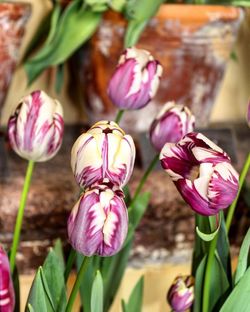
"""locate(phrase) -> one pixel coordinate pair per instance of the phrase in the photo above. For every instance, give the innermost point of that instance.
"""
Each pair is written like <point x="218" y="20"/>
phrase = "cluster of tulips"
<point x="102" y="160"/>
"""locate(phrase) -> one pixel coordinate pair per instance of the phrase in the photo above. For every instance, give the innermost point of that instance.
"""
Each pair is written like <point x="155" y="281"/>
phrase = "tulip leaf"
<point x="38" y="298"/>
<point x="135" y="299"/>
<point x="219" y="285"/>
<point x="138" y="208"/>
<point x="87" y="281"/>
<point x="209" y="237"/>
<point x="30" y="308"/>
<point x="16" y="284"/>
<point x="59" y="252"/>
<point x="53" y="276"/>
<point x="75" y="27"/>
<point x="223" y="249"/>
<point x="243" y="260"/>
<point x="238" y="301"/>
<point x="97" y="294"/>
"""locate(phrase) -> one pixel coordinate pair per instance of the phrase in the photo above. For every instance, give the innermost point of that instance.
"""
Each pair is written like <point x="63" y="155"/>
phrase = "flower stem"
<point x="207" y="279"/>
<point x="69" y="264"/>
<point x="119" y="115"/>
<point x="20" y="213"/>
<point x="231" y="208"/>
<point x="77" y="284"/>
<point x="144" y="178"/>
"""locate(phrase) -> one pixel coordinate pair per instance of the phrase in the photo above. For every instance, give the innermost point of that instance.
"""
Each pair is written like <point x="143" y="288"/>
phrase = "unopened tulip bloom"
<point x="98" y="223"/>
<point x="171" y="124"/>
<point x="248" y="114"/>
<point x="181" y="294"/>
<point x="7" y="297"/>
<point x="215" y="184"/>
<point x="135" y="80"/>
<point x="36" y="127"/>
<point x="103" y="152"/>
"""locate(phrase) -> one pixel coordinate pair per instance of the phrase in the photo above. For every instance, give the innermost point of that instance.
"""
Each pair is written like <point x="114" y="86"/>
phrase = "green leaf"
<point x="200" y="247"/>
<point x="112" y="270"/>
<point x="219" y="285"/>
<point x="208" y="237"/>
<point x="138" y="208"/>
<point x="75" y="27"/>
<point x="133" y="32"/>
<point x="53" y="271"/>
<point x="58" y="249"/>
<point x="38" y="298"/>
<point x="30" y="308"/>
<point x="223" y="249"/>
<point x="136" y="297"/>
<point x="198" y="286"/>
<point x="85" y="289"/>
<point x="238" y="301"/>
<point x="16" y="284"/>
<point x="97" y="294"/>
<point x="243" y="258"/>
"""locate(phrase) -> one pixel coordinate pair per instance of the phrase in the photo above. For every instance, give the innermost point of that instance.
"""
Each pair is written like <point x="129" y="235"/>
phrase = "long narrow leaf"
<point x="97" y="294"/>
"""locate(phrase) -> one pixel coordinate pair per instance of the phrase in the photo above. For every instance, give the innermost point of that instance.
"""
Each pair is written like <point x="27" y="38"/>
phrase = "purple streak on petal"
<point x="7" y="298"/>
<point x="120" y="83"/>
<point x="222" y="192"/>
<point x="30" y="125"/>
<point x="194" y="199"/>
<point x="85" y="227"/>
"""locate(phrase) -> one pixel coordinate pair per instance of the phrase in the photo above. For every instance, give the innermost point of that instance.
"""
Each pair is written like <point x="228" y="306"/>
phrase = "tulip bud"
<point x="135" y="80"/>
<point x="171" y="124"/>
<point x="181" y="294"/>
<point x="7" y="297"/>
<point x="36" y="127"/>
<point x="98" y="223"/>
<point x="248" y="114"/>
<point x="103" y="152"/>
<point x="216" y="183"/>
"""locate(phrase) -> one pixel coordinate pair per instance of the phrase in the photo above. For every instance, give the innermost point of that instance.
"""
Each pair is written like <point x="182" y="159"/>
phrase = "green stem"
<point x="20" y="213"/>
<point x="231" y="209"/>
<point x="119" y="116"/>
<point x="77" y="284"/>
<point x="207" y="279"/>
<point x="144" y="178"/>
<point x="69" y="264"/>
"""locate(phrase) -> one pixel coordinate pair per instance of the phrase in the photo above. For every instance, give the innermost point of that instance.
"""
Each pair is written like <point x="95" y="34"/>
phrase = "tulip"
<point x="36" y="127"/>
<point x="215" y="185"/>
<point x="103" y="152"/>
<point x="135" y="80"/>
<point x="248" y="114"/>
<point x="98" y="223"/>
<point x="171" y="124"/>
<point x="7" y="297"/>
<point x="181" y="294"/>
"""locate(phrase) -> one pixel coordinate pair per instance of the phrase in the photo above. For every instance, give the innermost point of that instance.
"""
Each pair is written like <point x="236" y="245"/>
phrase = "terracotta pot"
<point x="13" y="17"/>
<point x="193" y="43"/>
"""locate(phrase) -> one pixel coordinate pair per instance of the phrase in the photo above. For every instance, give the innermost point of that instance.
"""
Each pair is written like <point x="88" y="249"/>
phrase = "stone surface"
<point x="166" y="232"/>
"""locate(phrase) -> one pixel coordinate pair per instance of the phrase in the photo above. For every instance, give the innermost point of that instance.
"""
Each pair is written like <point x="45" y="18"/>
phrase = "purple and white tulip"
<point x="98" y="223"/>
<point x="36" y="128"/>
<point x="248" y="114"/>
<point x="103" y="152"/>
<point x="170" y="125"/>
<point x="135" y="80"/>
<point x="7" y="297"/>
<point x="181" y="294"/>
<point x="215" y="185"/>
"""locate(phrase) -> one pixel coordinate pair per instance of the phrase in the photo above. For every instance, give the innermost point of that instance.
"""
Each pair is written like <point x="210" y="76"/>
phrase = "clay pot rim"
<point x="198" y="12"/>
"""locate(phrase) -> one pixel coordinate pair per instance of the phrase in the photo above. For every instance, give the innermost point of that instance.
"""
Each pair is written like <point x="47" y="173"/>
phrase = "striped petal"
<point x="7" y="297"/>
<point x="135" y="80"/>
<point x="104" y="152"/>
<point x="98" y="223"/>
<point x="214" y="184"/>
<point x="36" y="127"/>
<point x="170" y="125"/>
